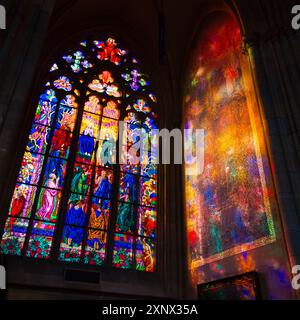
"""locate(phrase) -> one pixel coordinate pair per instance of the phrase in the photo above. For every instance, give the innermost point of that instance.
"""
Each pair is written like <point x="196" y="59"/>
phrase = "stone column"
<point x="275" y="57"/>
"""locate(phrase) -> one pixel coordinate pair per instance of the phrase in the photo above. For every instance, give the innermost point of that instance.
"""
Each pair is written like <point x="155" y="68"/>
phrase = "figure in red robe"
<point x="148" y="225"/>
<point x="17" y="207"/>
<point x="61" y="140"/>
<point x="110" y="51"/>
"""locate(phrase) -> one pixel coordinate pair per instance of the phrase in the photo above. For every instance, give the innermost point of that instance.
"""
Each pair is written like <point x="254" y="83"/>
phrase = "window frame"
<point x="66" y="190"/>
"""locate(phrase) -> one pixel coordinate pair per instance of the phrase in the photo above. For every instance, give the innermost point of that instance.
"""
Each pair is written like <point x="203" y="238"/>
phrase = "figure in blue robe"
<point x="74" y="235"/>
<point x="55" y="165"/>
<point x="86" y="142"/>
<point x="104" y="191"/>
<point x="96" y="239"/>
<point x="130" y="185"/>
<point x="75" y="216"/>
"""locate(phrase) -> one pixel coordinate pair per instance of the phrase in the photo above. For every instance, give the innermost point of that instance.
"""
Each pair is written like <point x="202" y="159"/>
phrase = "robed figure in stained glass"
<point x="104" y="189"/>
<point x="60" y="142"/>
<point x="48" y="199"/>
<point x="79" y="183"/>
<point x="86" y="142"/>
<point x="147" y="257"/>
<point x="17" y="207"/>
<point x="125" y="217"/>
<point x="75" y="216"/>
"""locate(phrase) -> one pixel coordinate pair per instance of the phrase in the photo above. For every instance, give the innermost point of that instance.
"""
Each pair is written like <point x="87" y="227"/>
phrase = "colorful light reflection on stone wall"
<point x="228" y="206"/>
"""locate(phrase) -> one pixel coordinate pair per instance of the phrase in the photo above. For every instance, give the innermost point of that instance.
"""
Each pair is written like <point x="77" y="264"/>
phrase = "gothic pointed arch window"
<point x="73" y="200"/>
<point x="230" y="204"/>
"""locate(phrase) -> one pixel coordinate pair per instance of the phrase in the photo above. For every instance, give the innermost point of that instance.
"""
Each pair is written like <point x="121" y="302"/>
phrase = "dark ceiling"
<point x="135" y="24"/>
<point x="135" y="21"/>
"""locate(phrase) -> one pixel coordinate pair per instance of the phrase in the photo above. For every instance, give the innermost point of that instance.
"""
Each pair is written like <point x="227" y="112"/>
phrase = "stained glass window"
<point x="228" y="205"/>
<point x="73" y="200"/>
